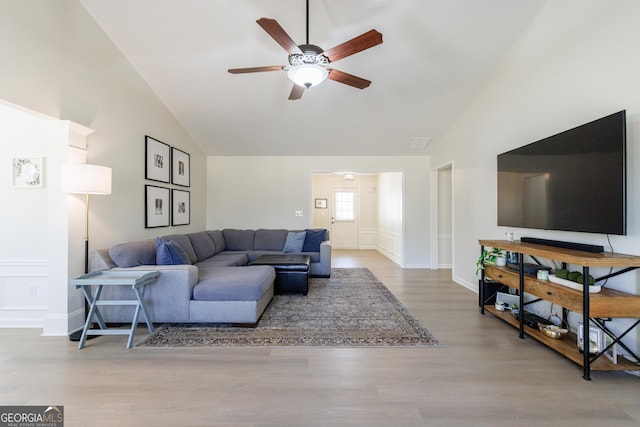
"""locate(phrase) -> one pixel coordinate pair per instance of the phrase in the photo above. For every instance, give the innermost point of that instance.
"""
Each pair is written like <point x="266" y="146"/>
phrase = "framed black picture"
<point x="181" y="207"/>
<point x="321" y="203"/>
<point x="156" y="202"/>
<point x="180" y="167"/>
<point x="157" y="160"/>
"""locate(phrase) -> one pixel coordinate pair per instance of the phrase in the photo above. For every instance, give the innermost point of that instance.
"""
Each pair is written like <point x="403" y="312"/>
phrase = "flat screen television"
<point x="572" y="181"/>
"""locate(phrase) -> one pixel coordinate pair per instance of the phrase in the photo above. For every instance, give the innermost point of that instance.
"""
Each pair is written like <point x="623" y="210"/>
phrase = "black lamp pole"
<point x="75" y="336"/>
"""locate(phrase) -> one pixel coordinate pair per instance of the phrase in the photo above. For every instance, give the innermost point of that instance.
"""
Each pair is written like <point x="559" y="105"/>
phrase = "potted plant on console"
<point x="491" y="256"/>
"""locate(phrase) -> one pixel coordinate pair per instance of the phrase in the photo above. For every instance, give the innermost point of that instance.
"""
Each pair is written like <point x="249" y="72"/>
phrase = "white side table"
<point x="138" y="280"/>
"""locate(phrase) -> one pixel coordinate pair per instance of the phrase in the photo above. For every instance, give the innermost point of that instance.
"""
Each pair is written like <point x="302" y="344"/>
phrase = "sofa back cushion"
<point x="183" y="241"/>
<point x="269" y="240"/>
<point x="313" y="239"/>
<point x="202" y="245"/>
<point x="218" y="240"/>
<point x="169" y="252"/>
<point x="132" y="254"/>
<point x="238" y="240"/>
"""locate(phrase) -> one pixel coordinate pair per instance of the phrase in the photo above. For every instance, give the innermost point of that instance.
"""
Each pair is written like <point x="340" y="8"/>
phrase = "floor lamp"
<point x="82" y="178"/>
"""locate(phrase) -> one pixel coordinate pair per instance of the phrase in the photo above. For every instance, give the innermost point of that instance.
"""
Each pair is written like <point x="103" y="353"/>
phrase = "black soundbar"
<point x="566" y="245"/>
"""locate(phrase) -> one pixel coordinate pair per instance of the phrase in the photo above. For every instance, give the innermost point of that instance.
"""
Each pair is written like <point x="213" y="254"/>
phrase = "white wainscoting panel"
<point x="367" y="238"/>
<point x="389" y="244"/>
<point x="23" y="293"/>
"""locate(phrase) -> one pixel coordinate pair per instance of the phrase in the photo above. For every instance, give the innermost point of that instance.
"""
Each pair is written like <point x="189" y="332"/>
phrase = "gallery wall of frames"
<point x="167" y="166"/>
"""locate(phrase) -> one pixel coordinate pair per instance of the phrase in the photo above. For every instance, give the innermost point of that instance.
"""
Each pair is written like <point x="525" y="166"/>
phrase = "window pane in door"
<point x="344" y="206"/>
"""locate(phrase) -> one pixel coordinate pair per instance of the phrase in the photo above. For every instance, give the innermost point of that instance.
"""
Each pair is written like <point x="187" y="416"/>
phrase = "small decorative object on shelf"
<point x="553" y="331"/>
<point x="491" y="257"/>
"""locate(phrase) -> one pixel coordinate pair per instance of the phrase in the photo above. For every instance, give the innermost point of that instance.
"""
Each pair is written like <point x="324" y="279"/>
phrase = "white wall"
<point x="60" y="63"/>
<point x="33" y="259"/>
<point x="577" y="62"/>
<point x="390" y="216"/>
<point x="254" y="192"/>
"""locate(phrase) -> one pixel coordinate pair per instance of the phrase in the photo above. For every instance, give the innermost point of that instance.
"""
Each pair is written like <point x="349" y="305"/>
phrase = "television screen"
<point x="572" y="181"/>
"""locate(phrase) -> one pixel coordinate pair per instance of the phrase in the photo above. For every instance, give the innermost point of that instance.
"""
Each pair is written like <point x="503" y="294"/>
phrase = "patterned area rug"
<point x="351" y="309"/>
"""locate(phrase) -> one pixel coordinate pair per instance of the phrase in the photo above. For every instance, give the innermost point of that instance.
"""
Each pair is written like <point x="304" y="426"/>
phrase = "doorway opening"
<point x="361" y="210"/>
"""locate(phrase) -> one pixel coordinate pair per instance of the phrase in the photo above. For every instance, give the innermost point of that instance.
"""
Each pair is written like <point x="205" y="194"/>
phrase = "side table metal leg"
<point x="92" y="311"/>
<point x="87" y="294"/>
<point x="145" y="313"/>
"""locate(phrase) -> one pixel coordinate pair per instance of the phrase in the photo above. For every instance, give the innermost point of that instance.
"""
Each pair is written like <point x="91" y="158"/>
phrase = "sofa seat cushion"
<point x="234" y="283"/>
<point x="211" y="263"/>
<point x="223" y="261"/>
<point x="238" y="257"/>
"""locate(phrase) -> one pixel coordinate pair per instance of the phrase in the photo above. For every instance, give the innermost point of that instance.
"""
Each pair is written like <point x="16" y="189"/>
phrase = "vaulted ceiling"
<point x="435" y="56"/>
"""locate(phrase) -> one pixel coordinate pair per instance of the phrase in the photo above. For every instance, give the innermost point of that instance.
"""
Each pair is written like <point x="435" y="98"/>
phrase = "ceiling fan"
<point x="308" y="63"/>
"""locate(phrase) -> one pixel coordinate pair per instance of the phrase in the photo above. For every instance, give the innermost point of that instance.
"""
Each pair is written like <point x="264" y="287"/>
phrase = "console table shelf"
<point x="567" y="346"/>
<point x="605" y="304"/>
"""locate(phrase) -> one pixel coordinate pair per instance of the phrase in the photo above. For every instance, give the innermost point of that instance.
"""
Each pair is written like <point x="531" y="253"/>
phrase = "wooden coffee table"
<point x="292" y="272"/>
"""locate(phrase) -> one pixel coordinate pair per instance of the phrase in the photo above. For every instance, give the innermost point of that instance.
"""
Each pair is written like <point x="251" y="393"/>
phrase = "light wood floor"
<point x="484" y="375"/>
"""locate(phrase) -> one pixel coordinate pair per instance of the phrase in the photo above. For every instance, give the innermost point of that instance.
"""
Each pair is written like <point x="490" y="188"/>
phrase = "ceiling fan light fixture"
<point x="307" y="75"/>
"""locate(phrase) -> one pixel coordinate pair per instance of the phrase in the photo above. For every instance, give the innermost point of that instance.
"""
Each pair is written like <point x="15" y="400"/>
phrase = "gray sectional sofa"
<point x="205" y="276"/>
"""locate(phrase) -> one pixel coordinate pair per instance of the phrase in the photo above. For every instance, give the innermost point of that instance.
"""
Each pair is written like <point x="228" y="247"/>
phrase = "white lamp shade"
<point x="307" y="75"/>
<point x="86" y="179"/>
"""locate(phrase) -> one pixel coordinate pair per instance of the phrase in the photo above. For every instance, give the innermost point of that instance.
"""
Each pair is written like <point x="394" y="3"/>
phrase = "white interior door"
<point x="344" y="218"/>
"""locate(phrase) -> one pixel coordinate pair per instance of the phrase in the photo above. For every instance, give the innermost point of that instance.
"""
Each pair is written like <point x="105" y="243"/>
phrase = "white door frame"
<point x="435" y="176"/>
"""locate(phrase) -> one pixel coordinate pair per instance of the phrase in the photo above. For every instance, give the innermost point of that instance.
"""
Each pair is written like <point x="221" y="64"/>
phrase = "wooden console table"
<point x="606" y="304"/>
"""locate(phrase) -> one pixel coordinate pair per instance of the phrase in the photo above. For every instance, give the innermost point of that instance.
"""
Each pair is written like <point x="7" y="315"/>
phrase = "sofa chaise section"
<point x="238" y="293"/>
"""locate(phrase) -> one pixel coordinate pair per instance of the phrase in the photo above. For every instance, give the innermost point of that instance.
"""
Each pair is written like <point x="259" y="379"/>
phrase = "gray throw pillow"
<point x="169" y="252"/>
<point x="294" y="242"/>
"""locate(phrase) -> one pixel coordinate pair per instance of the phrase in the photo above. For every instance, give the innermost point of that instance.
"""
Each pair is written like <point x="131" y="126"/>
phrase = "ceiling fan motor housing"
<point x="311" y="54"/>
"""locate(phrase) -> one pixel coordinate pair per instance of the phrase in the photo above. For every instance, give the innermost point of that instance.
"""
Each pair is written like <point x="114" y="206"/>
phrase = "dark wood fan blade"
<point x="256" y="69"/>
<point x="348" y="79"/>
<point x="358" y="44"/>
<point x="278" y="33"/>
<point x="296" y="92"/>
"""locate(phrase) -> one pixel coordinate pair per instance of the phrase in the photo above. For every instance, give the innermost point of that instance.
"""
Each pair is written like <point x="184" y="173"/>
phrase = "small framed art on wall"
<point x="156" y="206"/>
<point x="180" y="167"/>
<point x="181" y="209"/>
<point x="157" y="160"/>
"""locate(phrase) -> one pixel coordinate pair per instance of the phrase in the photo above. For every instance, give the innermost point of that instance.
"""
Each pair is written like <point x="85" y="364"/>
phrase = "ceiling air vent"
<point x="419" y="142"/>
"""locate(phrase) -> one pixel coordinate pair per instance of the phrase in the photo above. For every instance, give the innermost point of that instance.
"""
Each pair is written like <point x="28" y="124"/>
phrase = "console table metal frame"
<point x="138" y="280"/>
<point x="610" y="303"/>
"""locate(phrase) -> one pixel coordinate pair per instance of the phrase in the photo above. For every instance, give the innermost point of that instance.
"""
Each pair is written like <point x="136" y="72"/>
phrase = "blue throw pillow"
<point x="169" y="252"/>
<point x="295" y="241"/>
<point x="312" y="240"/>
